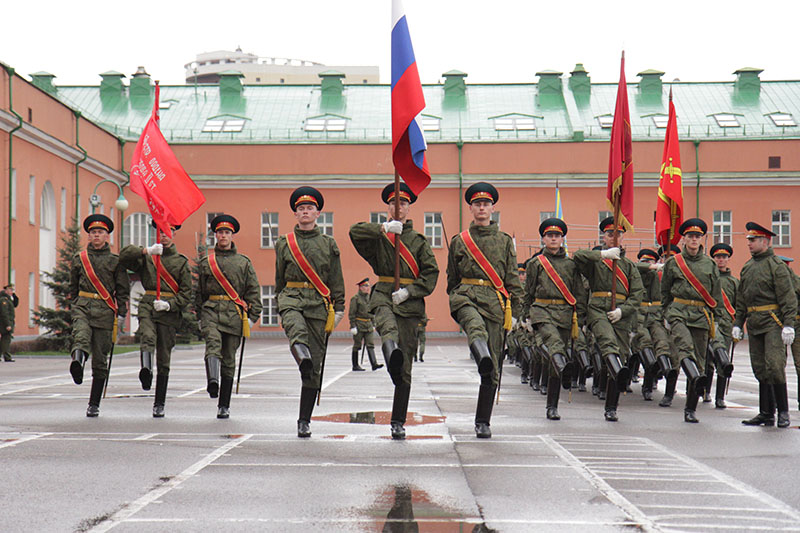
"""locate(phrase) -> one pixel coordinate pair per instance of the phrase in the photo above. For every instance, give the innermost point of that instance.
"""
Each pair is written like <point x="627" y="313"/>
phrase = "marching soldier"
<point x="611" y="327"/>
<point x="796" y="342"/>
<point x="766" y="301"/>
<point x="159" y="319"/>
<point x="361" y="325"/>
<point x="556" y="298"/>
<point x="99" y="290"/>
<point x="690" y="293"/>
<point x="7" y="321"/>
<point x="485" y="293"/>
<point x="228" y="302"/>
<point x="310" y="295"/>
<point x="729" y="287"/>
<point x="397" y="313"/>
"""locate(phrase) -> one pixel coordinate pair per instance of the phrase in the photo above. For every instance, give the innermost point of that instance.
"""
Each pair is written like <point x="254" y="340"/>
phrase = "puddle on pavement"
<point x="378" y="417"/>
<point x="405" y="508"/>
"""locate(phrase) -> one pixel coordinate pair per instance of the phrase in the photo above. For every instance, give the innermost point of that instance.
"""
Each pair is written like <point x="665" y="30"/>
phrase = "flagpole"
<point x="157" y="258"/>
<point x="615" y="242"/>
<point x="397" y="235"/>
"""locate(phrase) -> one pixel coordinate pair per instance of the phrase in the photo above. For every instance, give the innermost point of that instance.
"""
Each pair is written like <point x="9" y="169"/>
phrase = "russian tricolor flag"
<point x="408" y="143"/>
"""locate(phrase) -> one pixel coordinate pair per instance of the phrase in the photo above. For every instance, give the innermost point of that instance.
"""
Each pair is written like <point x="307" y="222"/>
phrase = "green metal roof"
<point x="277" y="113"/>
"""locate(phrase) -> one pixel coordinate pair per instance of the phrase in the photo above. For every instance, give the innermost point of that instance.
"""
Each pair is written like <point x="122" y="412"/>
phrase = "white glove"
<point x="156" y="249"/>
<point x="393" y="226"/>
<point x="657" y="266"/>
<point x="354" y="331"/>
<point x="337" y="317"/>
<point x="513" y="322"/>
<point x="160" y="305"/>
<point x="787" y="334"/>
<point x="736" y="333"/>
<point x="615" y="315"/>
<point x="611" y="253"/>
<point x="400" y="296"/>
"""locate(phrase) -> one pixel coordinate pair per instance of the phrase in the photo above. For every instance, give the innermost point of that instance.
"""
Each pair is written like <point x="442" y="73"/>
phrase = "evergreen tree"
<point x="58" y="322"/>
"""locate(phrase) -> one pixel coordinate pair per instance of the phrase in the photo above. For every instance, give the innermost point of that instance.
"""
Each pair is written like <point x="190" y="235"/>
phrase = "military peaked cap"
<point x="757" y="230"/>
<point x="693" y="225"/>
<point x="674" y="248"/>
<point x="98" y="221"/>
<point x="647" y="252"/>
<point x="721" y="248"/>
<point x="306" y="195"/>
<point x="387" y="195"/>
<point x="552" y="225"/>
<point x="522" y="267"/>
<point x="608" y="225"/>
<point x="363" y="281"/>
<point x="225" y="222"/>
<point x="481" y="191"/>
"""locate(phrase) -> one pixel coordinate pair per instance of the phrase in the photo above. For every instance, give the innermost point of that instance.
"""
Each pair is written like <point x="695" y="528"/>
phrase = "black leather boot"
<point x="308" y="396"/>
<point x="400" y="410"/>
<point x="691" y="406"/>
<point x="79" y="358"/>
<point x="647" y="385"/>
<point x="161" y="395"/>
<point x="483" y="412"/>
<point x="582" y="379"/>
<point x="356" y="366"/>
<point x="480" y="353"/>
<point x="723" y="362"/>
<point x="302" y="356"/>
<point x="146" y="372"/>
<point x="634" y="363"/>
<point x="649" y="360"/>
<point x="212" y="376"/>
<point x="524" y="369"/>
<point x="394" y="360"/>
<point x="94" y="397"/>
<point x="669" y="393"/>
<point x="722" y="384"/>
<point x="545" y="376"/>
<point x="782" y="403"/>
<point x="766" y="412"/>
<point x="612" y="400"/>
<point x="602" y="384"/>
<point x="224" y="404"/>
<point x="373" y="361"/>
<point x="536" y="371"/>
<point x="617" y="372"/>
<point x="665" y="366"/>
<point x="553" y="391"/>
<point x="695" y="380"/>
<point x="564" y="367"/>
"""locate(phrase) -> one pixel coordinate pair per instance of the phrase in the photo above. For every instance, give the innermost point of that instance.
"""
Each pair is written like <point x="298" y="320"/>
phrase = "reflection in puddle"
<point x="412" y="510"/>
<point x="378" y="417"/>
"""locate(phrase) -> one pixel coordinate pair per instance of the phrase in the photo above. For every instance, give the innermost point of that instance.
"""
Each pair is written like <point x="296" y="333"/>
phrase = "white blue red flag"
<point x="408" y="143"/>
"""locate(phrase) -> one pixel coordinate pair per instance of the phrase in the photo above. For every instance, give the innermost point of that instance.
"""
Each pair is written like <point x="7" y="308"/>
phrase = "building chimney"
<point x="579" y="80"/>
<point x="331" y="83"/>
<point x="44" y="81"/>
<point x="747" y="79"/>
<point x="140" y="90"/>
<point x="231" y="91"/>
<point x="650" y="82"/>
<point x="549" y="82"/>
<point x="111" y="90"/>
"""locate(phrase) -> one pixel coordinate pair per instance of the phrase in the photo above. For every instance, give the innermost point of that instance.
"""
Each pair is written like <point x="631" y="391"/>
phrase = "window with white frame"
<point x="722" y="228"/>
<point x="325" y="223"/>
<point x="223" y="125"/>
<point x="605" y="121"/>
<point x="496" y="217"/>
<point x="32" y="200"/>
<point x="138" y="230"/>
<point x="660" y="120"/>
<point x="211" y="239"/>
<point x="514" y="123"/>
<point x="544" y="215"/>
<point x="431" y="123"/>
<point x="31" y="298"/>
<point x="269" y="306"/>
<point x="331" y="123"/>
<point x="727" y="120"/>
<point x="433" y="229"/>
<point x="781" y="227"/>
<point x="379" y="217"/>
<point x="63" y="218"/>
<point x="783" y="120"/>
<point x="269" y="229"/>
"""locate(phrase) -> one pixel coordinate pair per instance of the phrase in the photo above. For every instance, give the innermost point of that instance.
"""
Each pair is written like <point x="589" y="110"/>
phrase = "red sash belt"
<point x="552" y="273"/>
<point x="405" y="253"/>
<point x="620" y="274"/>
<point x="230" y="291"/>
<point x="493" y="276"/>
<point x="308" y="271"/>
<point x="101" y="290"/>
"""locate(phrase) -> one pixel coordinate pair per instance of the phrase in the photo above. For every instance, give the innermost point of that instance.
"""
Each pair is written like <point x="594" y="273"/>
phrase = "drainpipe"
<point x="78" y="164"/>
<point x="122" y="169"/>
<point x="10" y="72"/>
<point x="460" y="146"/>
<point x="697" y="168"/>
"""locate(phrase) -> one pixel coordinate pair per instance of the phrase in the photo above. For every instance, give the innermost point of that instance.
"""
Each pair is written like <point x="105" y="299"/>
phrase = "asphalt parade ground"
<point x="126" y="471"/>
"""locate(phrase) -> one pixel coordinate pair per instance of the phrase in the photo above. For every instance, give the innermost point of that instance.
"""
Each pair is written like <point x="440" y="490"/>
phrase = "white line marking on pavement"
<point x="599" y="483"/>
<point x="334" y="380"/>
<point x="146" y="436"/>
<point x="23" y="439"/>
<point x="385" y="465"/>
<point x="129" y="510"/>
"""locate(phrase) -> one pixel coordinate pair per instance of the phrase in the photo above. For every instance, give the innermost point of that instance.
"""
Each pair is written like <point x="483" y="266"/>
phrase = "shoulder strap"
<point x="96" y="283"/>
<point x="728" y="306"/>
<point x="620" y="274"/>
<point x="694" y="282"/>
<point x="304" y="265"/>
<point x="552" y="273"/>
<point x="405" y="253"/>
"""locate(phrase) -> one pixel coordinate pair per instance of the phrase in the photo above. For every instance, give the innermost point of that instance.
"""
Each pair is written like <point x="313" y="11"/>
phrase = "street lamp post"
<point x="121" y="204"/>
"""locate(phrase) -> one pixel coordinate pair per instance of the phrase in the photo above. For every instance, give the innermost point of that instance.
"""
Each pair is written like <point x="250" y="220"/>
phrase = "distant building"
<point x="256" y="70"/>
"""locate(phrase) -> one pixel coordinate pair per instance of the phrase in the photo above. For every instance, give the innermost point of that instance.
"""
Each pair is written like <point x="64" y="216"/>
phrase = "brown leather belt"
<point x="602" y="294"/>
<point x="217" y="297"/>
<point x="92" y="295"/>
<point x="299" y="285"/>
<point x="364" y="319"/>
<point x="550" y="302"/>
<point x="693" y="303"/>
<point x="164" y="294"/>
<point x="474" y="281"/>
<point x="650" y="304"/>
<point x="390" y="279"/>
<point x="768" y="307"/>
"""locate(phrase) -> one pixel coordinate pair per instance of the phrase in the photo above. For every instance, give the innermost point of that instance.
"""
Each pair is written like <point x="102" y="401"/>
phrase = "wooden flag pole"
<point x="616" y="245"/>
<point x="397" y="235"/>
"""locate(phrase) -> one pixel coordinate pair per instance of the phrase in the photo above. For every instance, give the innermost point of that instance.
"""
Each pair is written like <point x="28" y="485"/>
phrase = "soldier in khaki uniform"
<point x="611" y="327"/>
<point x="159" y="319"/>
<point x="361" y="325"/>
<point x="729" y="287"/>
<point x="421" y="339"/>
<point x="6" y="321"/>
<point x="767" y="303"/>
<point x="228" y="302"/>
<point x="99" y="290"/>
<point x="796" y="342"/>
<point x="485" y="293"/>
<point x="397" y="312"/>
<point x="310" y="295"/>
<point x="555" y="299"/>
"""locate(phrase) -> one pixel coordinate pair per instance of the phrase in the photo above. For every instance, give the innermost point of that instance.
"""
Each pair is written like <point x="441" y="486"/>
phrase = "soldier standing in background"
<point x="361" y="325"/>
<point x="228" y="302"/>
<point x="485" y="293"/>
<point x="729" y="287"/>
<point x="7" y="306"/>
<point x="397" y="313"/>
<point x="159" y="319"/>
<point x="611" y="327"/>
<point x="767" y="303"/>
<point x="99" y="290"/>
<point x="423" y="323"/>
<point x="310" y="295"/>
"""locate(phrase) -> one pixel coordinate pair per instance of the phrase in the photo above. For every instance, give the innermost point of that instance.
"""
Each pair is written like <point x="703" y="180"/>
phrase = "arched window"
<point x="47" y="205"/>
<point x="138" y="230"/>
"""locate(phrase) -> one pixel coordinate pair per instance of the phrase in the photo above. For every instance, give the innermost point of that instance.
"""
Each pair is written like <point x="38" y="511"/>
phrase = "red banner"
<point x="620" y="163"/>
<point x="669" y="206"/>
<point x="158" y="177"/>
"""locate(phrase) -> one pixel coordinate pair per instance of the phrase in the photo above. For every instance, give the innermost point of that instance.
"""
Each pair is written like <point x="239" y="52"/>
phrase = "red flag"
<point x="620" y="163"/>
<point x="669" y="206"/>
<point x="158" y="177"/>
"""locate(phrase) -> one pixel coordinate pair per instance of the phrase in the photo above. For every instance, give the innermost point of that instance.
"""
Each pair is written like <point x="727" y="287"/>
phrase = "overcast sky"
<point x="493" y="41"/>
